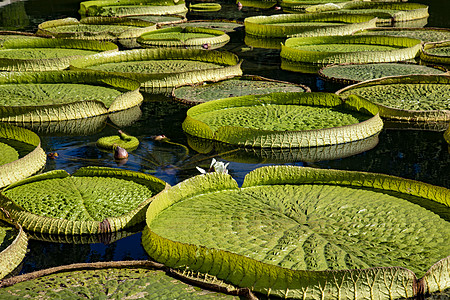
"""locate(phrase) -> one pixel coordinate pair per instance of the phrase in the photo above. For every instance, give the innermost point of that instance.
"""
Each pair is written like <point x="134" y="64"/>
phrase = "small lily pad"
<point x="235" y="87"/>
<point x="186" y="37"/>
<point x="438" y="53"/>
<point x="91" y="201"/>
<point x="354" y="73"/>
<point x="205" y="6"/>
<point x="123" y="140"/>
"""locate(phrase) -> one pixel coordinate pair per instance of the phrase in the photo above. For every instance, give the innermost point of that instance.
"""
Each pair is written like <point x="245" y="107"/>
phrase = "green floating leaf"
<point x="96" y="28"/>
<point x="235" y="87"/>
<point x="25" y="53"/>
<point x="120" y="8"/>
<point x="413" y="97"/>
<point x="304" y="233"/>
<point x="436" y="52"/>
<point x="13" y="246"/>
<point x="281" y="120"/>
<point x="119" y="280"/>
<point x="21" y="154"/>
<point x="64" y="95"/>
<point x="223" y="25"/>
<point x="354" y="73"/>
<point x="289" y="25"/>
<point x="159" y="69"/>
<point x="302" y="4"/>
<point x="349" y="49"/>
<point x="447" y="135"/>
<point x="386" y="12"/>
<point x="281" y="155"/>
<point x="91" y="201"/>
<point x="205" y="6"/>
<point x="423" y="34"/>
<point x="187" y="37"/>
<point x="161" y="20"/>
<point x="123" y="140"/>
<point x="261" y="4"/>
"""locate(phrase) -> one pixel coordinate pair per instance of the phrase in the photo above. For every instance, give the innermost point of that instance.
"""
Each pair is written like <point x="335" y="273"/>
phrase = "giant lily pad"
<point x="21" y="154"/>
<point x="423" y="34"/>
<point x="163" y="68"/>
<point x="354" y="73"/>
<point x="413" y="97"/>
<point x="280" y="120"/>
<point x="120" y="8"/>
<point x="22" y="53"/>
<point x="13" y="246"/>
<point x="349" y="49"/>
<point x="235" y="87"/>
<point x="186" y="37"/>
<point x="281" y="155"/>
<point x="120" y="280"/>
<point x="64" y="95"/>
<point x="386" y="12"/>
<point x="160" y="20"/>
<point x="91" y="201"/>
<point x="205" y="6"/>
<point x="96" y="28"/>
<point x="302" y="4"/>
<point x="436" y="52"/>
<point x="306" y="233"/>
<point x="223" y="25"/>
<point x="288" y="25"/>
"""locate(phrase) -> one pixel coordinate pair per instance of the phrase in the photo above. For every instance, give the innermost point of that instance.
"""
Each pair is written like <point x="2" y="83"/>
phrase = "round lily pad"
<point x="280" y="120"/>
<point x="303" y="232"/>
<point x="93" y="200"/>
<point x="161" y="20"/>
<point x="289" y="25"/>
<point x="64" y="95"/>
<point x="211" y="6"/>
<point x="96" y="28"/>
<point x="423" y="34"/>
<point x="349" y="49"/>
<point x="24" y="53"/>
<point x="438" y="53"/>
<point x="123" y="140"/>
<point x="387" y="12"/>
<point x="121" y="280"/>
<point x="354" y="73"/>
<point x="120" y="8"/>
<point x="413" y="97"/>
<point x="158" y="69"/>
<point x="13" y="246"/>
<point x="235" y="87"/>
<point x="186" y="37"/>
<point x="302" y="4"/>
<point x="222" y="25"/>
<point x="21" y="154"/>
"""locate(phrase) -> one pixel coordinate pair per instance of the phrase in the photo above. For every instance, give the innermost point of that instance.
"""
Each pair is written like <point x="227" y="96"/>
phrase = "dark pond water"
<point x="416" y="154"/>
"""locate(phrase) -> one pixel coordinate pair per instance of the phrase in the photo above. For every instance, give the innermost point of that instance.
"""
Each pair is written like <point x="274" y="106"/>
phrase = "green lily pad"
<point x="56" y="95"/>
<point x="119" y="280"/>
<point x="13" y="246"/>
<point x="302" y="4"/>
<point x="447" y="135"/>
<point x="120" y="8"/>
<point x="158" y="69"/>
<point x="413" y="97"/>
<point x="187" y="37"/>
<point x="91" y="201"/>
<point x="423" y="34"/>
<point x="436" y="52"/>
<point x="302" y="232"/>
<point x="349" y="49"/>
<point x="161" y="20"/>
<point x="211" y="6"/>
<point x="22" y="155"/>
<point x="386" y="12"/>
<point x="222" y="25"/>
<point x="261" y="4"/>
<point x="280" y="120"/>
<point x="354" y="73"/>
<point x="123" y="140"/>
<point x="289" y="25"/>
<point x="235" y="87"/>
<point x="96" y="28"/>
<point x="25" y="53"/>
